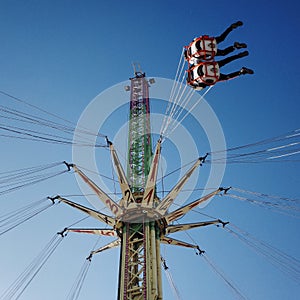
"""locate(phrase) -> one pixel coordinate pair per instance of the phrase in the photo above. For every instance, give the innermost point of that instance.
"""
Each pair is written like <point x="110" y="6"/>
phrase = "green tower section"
<point x="139" y="136"/>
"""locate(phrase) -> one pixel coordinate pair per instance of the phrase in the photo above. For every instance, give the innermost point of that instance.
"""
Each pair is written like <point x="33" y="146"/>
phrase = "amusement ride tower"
<point x="140" y="221"/>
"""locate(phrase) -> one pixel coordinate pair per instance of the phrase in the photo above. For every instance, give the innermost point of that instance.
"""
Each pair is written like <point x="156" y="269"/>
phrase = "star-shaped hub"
<point x="142" y="207"/>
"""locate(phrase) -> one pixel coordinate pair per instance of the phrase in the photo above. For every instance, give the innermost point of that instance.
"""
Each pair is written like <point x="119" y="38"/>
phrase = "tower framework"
<point x="140" y="274"/>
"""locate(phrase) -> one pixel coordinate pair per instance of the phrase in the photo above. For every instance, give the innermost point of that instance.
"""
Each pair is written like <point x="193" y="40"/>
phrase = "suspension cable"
<point x="74" y="293"/>
<point x="40" y="109"/>
<point x="289" y="146"/>
<point x="279" y="204"/>
<point x="286" y="136"/>
<point x="172" y="121"/>
<point x="175" y="97"/>
<point x="18" y="287"/>
<point x="13" y="219"/>
<point x="174" y="87"/>
<point x="233" y="287"/>
<point x="170" y="279"/>
<point x="189" y="111"/>
<point x="22" y="132"/>
<point x="16" y="179"/>
<point x="229" y="283"/>
<point x="282" y="261"/>
<point x="263" y="195"/>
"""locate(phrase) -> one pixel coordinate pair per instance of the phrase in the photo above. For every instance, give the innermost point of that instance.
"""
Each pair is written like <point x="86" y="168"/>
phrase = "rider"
<point x="205" y="47"/>
<point x="205" y="73"/>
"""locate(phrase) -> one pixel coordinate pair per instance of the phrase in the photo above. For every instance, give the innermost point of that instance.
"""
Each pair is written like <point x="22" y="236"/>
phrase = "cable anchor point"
<point x="202" y="159"/>
<point x="63" y="232"/>
<point x="69" y="166"/>
<point x="223" y="223"/>
<point x="164" y="263"/>
<point x="53" y="198"/>
<point x="108" y="142"/>
<point x="225" y="190"/>
<point x="89" y="258"/>
<point x="200" y="252"/>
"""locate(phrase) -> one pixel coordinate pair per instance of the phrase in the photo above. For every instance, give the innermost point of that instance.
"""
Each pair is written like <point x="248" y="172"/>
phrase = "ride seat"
<point x="204" y="72"/>
<point x="203" y="47"/>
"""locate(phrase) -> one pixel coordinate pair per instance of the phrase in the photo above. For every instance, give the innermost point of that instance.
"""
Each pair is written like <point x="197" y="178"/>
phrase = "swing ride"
<point x="142" y="220"/>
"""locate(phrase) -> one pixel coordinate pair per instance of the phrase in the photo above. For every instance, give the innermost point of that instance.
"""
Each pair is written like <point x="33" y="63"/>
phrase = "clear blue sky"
<point x="59" y="55"/>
